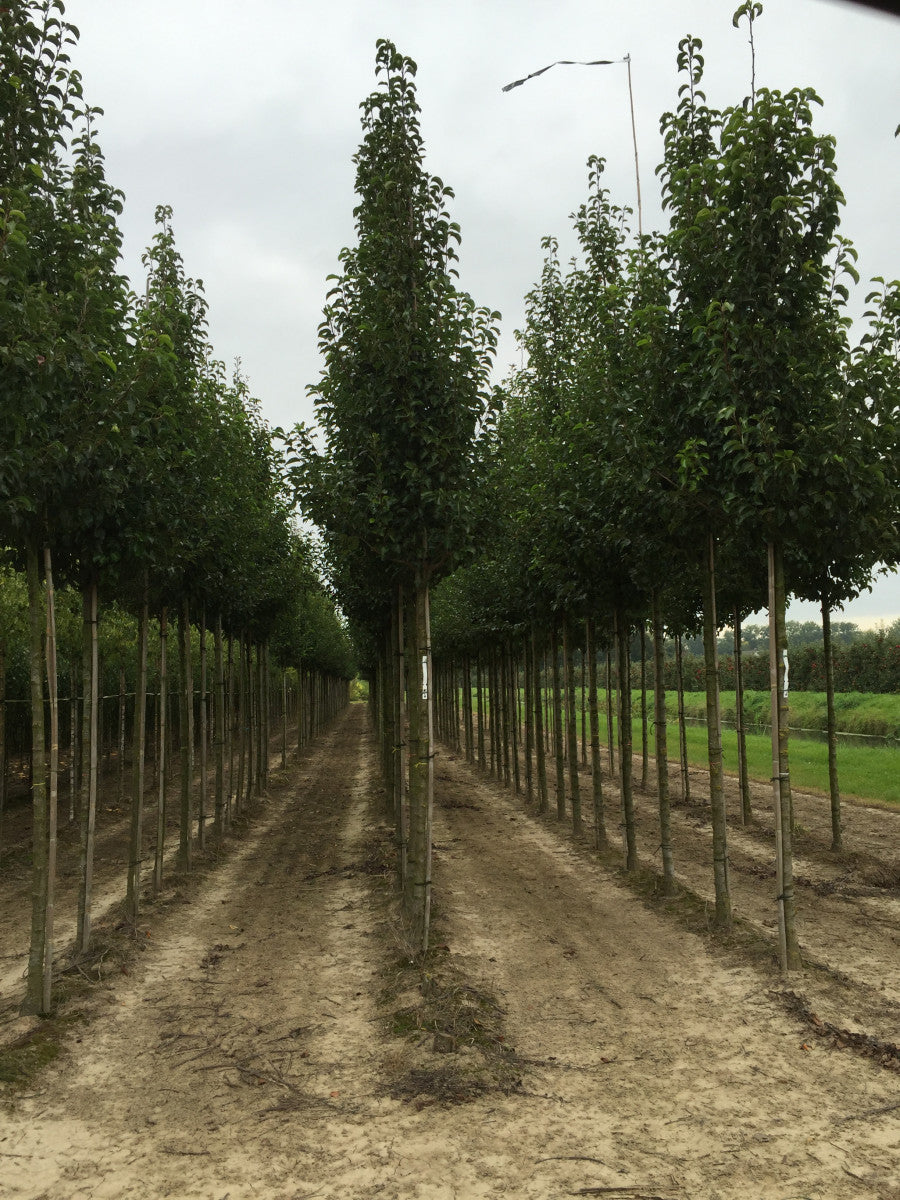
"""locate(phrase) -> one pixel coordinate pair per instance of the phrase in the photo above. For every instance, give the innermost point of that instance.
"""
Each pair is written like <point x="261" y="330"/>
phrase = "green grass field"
<point x="868" y="771"/>
<point x="856" y="712"/>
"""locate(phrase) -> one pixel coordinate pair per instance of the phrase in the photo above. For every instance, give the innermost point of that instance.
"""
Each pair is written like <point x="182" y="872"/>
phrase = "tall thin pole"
<point x="600" y="62"/>
<point x="637" y="173"/>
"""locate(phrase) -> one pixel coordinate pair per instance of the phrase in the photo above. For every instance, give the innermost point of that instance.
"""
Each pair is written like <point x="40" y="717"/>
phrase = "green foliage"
<point x="63" y="306"/>
<point x="404" y="397"/>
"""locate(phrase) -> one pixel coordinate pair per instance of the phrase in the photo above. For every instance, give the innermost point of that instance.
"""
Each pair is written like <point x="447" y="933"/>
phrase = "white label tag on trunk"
<point x="424" y="676"/>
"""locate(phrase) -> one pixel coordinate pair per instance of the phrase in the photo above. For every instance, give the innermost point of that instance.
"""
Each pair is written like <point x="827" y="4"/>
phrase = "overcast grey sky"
<point x="245" y="117"/>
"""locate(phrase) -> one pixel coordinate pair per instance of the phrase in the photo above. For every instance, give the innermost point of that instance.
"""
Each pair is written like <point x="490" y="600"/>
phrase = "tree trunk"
<point x="53" y="779"/>
<point x="480" y="755"/>
<point x="250" y="723"/>
<point x="186" y="698"/>
<point x="714" y="741"/>
<point x="572" y="729"/>
<point x="239" y="725"/>
<point x="778" y="681"/>
<point x="470" y="720"/>
<point x="505" y="710"/>
<point x="625" y="749"/>
<point x="89" y="803"/>
<point x="86" y="673"/>
<point x="662" y="750"/>
<point x="601" y="839"/>
<point x="400" y="768"/>
<point x="513" y="675"/>
<point x="529" y="723"/>
<point x="421" y="768"/>
<point x="40" y="872"/>
<point x="136" y="852"/>
<point x="219" y="732"/>
<point x="2" y="734"/>
<point x="558" y="737"/>
<point x="284" y="719"/>
<point x="645" y="752"/>
<point x="121" y="735"/>
<point x="834" y="791"/>
<point x="73" y="741"/>
<point x="682" y="723"/>
<point x="743" y="773"/>
<point x="203" y="714"/>
<point x="265" y="731"/>
<point x="539" y="746"/>
<point x="163" y="775"/>
<point x="610" y="727"/>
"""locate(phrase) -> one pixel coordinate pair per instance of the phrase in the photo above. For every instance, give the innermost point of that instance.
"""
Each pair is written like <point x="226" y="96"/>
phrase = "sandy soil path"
<point x="244" y="1057"/>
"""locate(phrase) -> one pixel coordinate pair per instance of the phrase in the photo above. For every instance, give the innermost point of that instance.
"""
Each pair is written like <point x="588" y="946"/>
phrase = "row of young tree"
<point x="692" y="437"/>
<point x="132" y="467"/>
<point x="403" y="403"/>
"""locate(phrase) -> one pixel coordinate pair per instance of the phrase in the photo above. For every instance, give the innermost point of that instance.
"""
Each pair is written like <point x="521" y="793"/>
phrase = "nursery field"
<point x="268" y="1032"/>
<point x="868" y="754"/>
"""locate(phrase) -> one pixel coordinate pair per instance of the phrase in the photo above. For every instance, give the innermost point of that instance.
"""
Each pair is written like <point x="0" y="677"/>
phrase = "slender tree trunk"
<point x="714" y="742"/>
<point x="284" y="719"/>
<point x="53" y="779"/>
<point x="610" y="729"/>
<point x="645" y="753"/>
<point x="121" y="736"/>
<point x="185" y="844"/>
<point x="162" y="774"/>
<point x="479" y="704"/>
<point x="219" y="732"/>
<point x="682" y="723"/>
<point x="584" y="718"/>
<point x="250" y="723"/>
<point x="558" y="733"/>
<point x="2" y="734"/>
<point x="230" y="717"/>
<point x="662" y="750"/>
<point x="73" y="741"/>
<point x="91" y="739"/>
<point x="781" y="782"/>
<point x="492" y="712"/>
<point x="548" y="700"/>
<point x="740" y="723"/>
<point x="504" y="713"/>
<point x="625" y="748"/>
<point x="601" y="839"/>
<point x="421" y="768"/>
<point x="513" y="673"/>
<point x="539" y="746"/>
<point x="300" y="706"/>
<point x="470" y="716"/>
<point x="40" y="872"/>
<point x="400" y="766"/>
<point x="238" y="728"/>
<point x="529" y="723"/>
<point x="136" y="845"/>
<point x="834" y="791"/>
<point x="265" y="732"/>
<point x="203" y="714"/>
<point x="86" y="669"/>
<point x="572" y="730"/>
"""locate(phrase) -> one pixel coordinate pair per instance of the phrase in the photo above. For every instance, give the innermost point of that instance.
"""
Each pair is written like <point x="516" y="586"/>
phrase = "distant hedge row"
<point x="871" y="664"/>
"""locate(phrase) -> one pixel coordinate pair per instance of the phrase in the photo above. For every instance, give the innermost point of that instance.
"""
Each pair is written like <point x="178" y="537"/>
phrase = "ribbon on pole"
<point x="562" y="62"/>
<point x="600" y="62"/>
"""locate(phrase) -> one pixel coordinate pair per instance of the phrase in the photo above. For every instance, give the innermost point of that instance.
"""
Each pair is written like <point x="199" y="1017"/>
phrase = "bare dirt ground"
<point x="246" y="1053"/>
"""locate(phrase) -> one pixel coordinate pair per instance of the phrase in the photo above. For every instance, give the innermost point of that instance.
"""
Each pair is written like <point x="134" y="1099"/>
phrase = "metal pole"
<point x="637" y="174"/>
